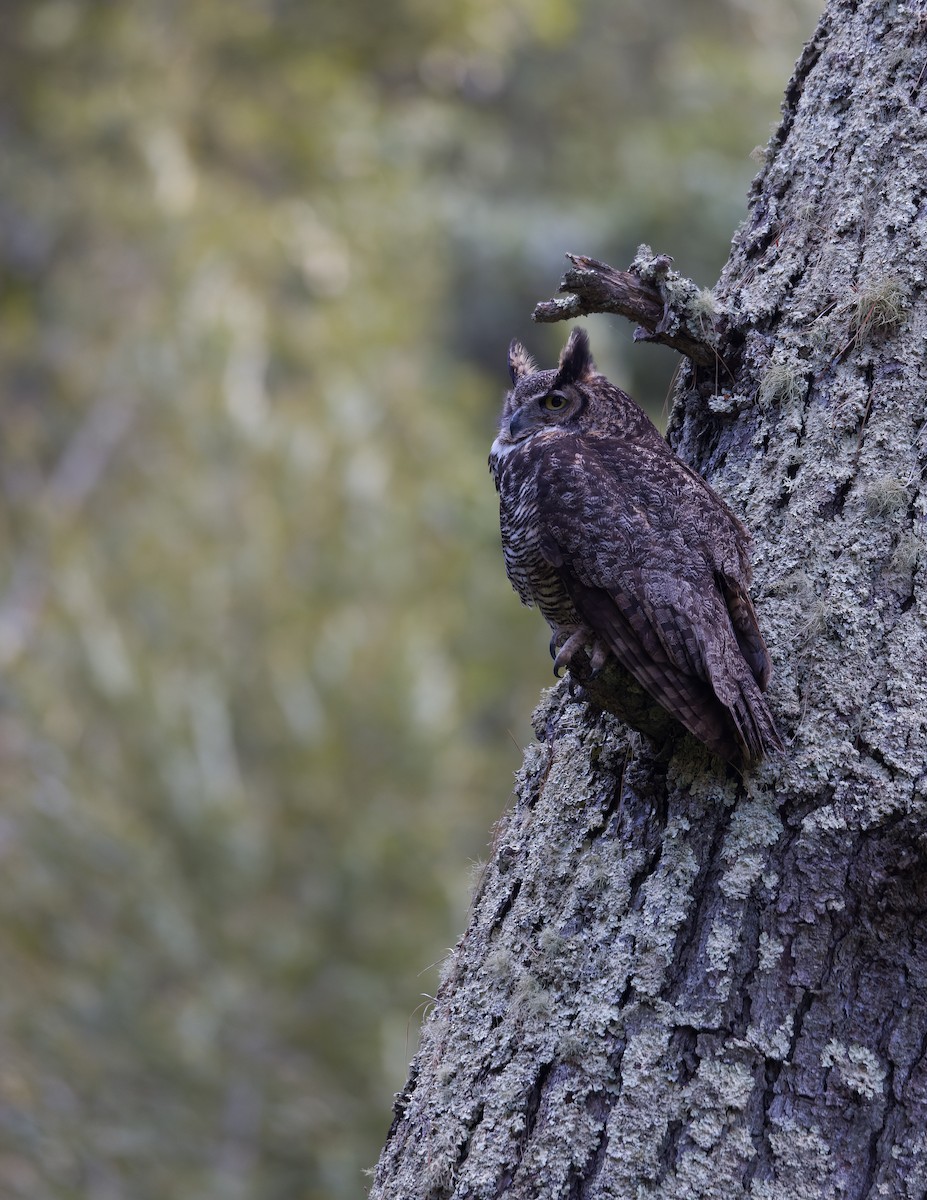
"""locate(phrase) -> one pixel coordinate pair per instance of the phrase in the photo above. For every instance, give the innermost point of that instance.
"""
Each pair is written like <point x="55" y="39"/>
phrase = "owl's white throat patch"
<point x="500" y="449"/>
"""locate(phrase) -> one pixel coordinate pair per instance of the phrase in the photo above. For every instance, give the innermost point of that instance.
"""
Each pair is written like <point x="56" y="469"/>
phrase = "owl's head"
<point x="540" y="399"/>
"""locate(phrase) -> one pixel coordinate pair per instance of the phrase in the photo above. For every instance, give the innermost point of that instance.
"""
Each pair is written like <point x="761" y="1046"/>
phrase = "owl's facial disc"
<point x="541" y="412"/>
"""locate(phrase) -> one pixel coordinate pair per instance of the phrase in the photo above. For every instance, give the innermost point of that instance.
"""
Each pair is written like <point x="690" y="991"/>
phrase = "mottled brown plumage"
<point x="628" y="552"/>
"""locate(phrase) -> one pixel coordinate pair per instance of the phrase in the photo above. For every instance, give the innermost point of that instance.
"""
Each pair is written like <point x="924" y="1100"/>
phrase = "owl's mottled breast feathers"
<point x="628" y="552"/>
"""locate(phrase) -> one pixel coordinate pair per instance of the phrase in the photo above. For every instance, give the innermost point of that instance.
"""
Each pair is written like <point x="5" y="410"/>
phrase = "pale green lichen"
<point x="667" y="901"/>
<point x="770" y="952"/>
<point x="718" y="1091"/>
<point x="721" y="944"/>
<point x="596" y="876"/>
<point x="499" y="964"/>
<point x="551" y="941"/>
<point x="859" y="1068"/>
<point x="909" y="552"/>
<point x="781" y="383"/>
<point x="730" y="1083"/>
<point x="773" y="1043"/>
<point x="804" y="1164"/>
<point x="530" y="1000"/>
<point x="880" y="305"/>
<point x="684" y="300"/>
<point x="727" y="403"/>
<point x="755" y="827"/>
<point x="552" y="944"/>
<point x="886" y="495"/>
<point x="572" y="1047"/>
<point x="703" y="309"/>
<point x="820" y="618"/>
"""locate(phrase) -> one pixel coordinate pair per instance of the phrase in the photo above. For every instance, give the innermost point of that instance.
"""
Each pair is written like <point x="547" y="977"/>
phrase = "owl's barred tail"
<point x="741" y="733"/>
<point x="753" y="722"/>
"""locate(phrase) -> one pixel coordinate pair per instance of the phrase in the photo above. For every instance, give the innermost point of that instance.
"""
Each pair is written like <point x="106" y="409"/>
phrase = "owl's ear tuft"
<point x="520" y="362"/>
<point x="575" y="358"/>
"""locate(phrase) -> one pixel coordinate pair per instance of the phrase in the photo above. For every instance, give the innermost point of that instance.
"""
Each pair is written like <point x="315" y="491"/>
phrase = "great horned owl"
<point x="628" y="552"/>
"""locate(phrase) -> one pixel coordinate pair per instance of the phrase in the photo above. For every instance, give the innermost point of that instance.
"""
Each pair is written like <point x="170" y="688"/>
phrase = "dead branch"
<point x="666" y="307"/>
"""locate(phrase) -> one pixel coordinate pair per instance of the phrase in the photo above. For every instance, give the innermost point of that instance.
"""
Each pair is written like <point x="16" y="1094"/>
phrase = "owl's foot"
<point x="599" y="657"/>
<point x="577" y="638"/>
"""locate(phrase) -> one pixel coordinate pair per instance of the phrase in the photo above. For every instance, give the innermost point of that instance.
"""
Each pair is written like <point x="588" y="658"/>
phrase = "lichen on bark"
<point x="676" y="982"/>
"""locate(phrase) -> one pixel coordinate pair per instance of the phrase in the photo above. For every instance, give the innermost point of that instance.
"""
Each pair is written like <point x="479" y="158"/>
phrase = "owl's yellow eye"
<point x="554" y="402"/>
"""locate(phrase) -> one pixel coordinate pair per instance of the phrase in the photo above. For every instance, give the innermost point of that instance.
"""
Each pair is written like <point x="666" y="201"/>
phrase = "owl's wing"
<point x="729" y="553"/>
<point x="690" y="700"/>
<point x="631" y="541"/>
<point x="746" y="628"/>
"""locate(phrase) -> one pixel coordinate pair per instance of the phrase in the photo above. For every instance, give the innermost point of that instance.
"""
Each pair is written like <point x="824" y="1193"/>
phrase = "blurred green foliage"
<point x="262" y="674"/>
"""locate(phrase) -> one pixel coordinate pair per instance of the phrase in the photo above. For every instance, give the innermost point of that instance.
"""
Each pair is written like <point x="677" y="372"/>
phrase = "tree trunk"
<point x="676" y="982"/>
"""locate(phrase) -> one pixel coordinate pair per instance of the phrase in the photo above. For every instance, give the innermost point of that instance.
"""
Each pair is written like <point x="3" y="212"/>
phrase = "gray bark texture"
<point x="677" y="982"/>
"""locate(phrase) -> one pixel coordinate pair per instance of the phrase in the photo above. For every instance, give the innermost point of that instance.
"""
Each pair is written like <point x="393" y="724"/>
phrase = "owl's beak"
<point x="518" y="424"/>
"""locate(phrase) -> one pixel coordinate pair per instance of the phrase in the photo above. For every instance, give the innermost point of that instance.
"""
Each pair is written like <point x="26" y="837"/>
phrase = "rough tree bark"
<point x="676" y="982"/>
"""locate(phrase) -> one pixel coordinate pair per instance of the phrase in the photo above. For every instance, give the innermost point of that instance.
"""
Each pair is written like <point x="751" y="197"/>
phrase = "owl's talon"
<point x="577" y="639"/>
<point x="599" y="659"/>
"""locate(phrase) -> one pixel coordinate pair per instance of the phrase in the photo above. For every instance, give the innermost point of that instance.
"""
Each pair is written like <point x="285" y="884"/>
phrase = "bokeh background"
<point x="262" y="679"/>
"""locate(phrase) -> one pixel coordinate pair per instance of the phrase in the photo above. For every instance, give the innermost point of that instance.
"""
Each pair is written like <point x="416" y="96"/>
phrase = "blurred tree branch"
<point x="78" y="473"/>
